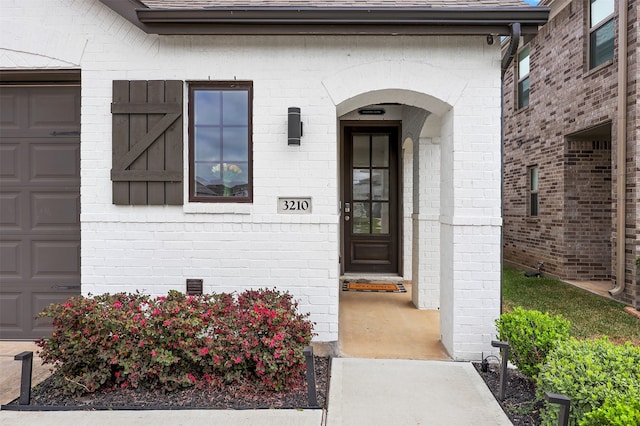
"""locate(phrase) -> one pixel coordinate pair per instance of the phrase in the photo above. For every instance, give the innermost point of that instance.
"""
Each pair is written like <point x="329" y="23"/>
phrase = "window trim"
<point x="592" y="30"/>
<point x="241" y="85"/>
<point x="531" y="192"/>
<point x="520" y="80"/>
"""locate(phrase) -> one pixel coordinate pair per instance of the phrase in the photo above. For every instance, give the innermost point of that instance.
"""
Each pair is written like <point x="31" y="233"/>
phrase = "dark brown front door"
<point x="370" y="199"/>
<point x="39" y="204"/>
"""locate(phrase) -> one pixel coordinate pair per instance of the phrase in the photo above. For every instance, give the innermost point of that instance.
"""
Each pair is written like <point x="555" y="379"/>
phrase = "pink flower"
<point x="154" y="353"/>
<point x="204" y="351"/>
<point x="117" y="304"/>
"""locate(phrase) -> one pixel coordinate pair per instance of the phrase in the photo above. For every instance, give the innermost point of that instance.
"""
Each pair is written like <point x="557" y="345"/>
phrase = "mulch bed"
<point x="237" y="396"/>
<point x="520" y="402"/>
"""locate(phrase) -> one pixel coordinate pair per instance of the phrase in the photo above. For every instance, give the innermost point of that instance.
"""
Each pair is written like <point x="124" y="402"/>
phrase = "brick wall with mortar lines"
<point x="587" y="219"/>
<point x="565" y="98"/>
<point x="156" y="248"/>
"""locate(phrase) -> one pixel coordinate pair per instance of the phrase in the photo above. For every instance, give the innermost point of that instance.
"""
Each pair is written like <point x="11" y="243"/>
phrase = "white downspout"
<point x="621" y="143"/>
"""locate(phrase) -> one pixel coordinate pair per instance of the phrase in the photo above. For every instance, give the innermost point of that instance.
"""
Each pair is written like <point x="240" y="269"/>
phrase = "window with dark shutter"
<point x="147" y="142"/>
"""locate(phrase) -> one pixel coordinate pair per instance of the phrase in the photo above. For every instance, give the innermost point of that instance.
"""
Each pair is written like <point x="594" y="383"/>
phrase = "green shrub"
<point x="531" y="335"/>
<point x="593" y="374"/>
<point x="133" y="340"/>
<point x="619" y="411"/>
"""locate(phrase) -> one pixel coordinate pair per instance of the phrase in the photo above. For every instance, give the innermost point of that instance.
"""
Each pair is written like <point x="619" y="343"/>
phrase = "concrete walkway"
<point x="362" y="392"/>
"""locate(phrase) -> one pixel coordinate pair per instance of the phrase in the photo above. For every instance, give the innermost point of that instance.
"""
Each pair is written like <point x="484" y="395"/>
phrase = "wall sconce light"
<point x="371" y="111"/>
<point x="295" y="126"/>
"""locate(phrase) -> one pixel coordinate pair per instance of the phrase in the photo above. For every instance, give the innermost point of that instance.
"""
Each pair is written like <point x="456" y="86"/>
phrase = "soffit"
<point x="195" y="4"/>
<point x="330" y="17"/>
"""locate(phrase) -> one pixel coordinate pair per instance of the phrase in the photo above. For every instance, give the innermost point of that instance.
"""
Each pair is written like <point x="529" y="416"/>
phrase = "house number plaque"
<point x="291" y="205"/>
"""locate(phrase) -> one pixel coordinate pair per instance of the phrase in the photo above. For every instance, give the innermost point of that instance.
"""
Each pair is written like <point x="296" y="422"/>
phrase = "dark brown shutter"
<point x="147" y="142"/>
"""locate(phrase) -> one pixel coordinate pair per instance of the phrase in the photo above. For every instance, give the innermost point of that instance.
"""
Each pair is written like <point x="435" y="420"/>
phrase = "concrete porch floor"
<point x="387" y="325"/>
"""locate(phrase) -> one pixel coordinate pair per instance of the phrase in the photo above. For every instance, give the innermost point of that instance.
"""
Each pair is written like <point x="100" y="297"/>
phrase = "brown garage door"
<point x="39" y="204"/>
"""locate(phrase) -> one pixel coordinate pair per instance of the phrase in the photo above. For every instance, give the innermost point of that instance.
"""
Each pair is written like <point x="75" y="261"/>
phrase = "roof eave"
<point x="330" y="21"/>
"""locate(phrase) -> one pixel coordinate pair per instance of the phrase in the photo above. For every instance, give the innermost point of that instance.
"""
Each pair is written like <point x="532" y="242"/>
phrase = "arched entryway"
<point x="380" y="180"/>
<point x="452" y="231"/>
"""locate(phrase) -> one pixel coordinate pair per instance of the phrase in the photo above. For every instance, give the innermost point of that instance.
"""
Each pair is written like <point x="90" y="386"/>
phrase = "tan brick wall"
<point x="574" y="233"/>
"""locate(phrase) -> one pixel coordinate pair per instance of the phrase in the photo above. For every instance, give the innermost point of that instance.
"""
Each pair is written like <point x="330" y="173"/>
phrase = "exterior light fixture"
<point x="371" y="111"/>
<point x="295" y="126"/>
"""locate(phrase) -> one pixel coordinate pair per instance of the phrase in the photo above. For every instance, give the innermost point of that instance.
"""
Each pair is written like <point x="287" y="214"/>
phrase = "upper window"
<point x="220" y="141"/>
<point x="523" y="78"/>
<point x="601" y="32"/>
<point x="533" y="191"/>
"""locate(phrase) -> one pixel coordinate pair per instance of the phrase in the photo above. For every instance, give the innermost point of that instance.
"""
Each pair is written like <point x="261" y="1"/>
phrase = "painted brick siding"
<point x="574" y="233"/>
<point x="236" y="246"/>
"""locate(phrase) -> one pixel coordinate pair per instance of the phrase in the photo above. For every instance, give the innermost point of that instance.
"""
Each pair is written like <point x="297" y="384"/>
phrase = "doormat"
<point x="374" y="287"/>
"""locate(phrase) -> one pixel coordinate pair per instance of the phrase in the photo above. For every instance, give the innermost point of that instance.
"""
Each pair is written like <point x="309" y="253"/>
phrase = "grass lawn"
<point x="591" y="316"/>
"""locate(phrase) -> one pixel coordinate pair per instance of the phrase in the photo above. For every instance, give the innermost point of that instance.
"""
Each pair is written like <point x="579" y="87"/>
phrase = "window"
<point x="533" y="191"/>
<point x="523" y="78"/>
<point x="220" y="141"/>
<point x="601" y="32"/>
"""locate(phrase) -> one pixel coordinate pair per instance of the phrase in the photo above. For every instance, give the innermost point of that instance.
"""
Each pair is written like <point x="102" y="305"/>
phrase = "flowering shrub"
<point x="133" y="340"/>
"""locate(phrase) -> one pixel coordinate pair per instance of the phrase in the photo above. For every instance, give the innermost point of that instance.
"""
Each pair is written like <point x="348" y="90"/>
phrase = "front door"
<point x="370" y="199"/>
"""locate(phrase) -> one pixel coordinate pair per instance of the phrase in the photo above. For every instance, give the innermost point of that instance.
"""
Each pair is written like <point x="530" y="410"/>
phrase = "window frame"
<point x="235" y="85"/>
<point x="533" y="199"/>
<point x="593" y="29"/>
<point x="521" y="80"/>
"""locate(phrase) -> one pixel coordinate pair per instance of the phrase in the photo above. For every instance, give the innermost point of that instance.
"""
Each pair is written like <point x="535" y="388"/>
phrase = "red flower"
<point x="191" y="377"/>
<point x="204" y="351"/>
<point x="117" y="304"/>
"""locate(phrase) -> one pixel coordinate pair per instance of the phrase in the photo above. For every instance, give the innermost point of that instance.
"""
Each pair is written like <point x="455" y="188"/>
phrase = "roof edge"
<point x="330" y="20"/>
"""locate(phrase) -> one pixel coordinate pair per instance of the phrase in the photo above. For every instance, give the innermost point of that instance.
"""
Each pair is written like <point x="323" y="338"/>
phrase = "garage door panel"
<point x="10" y="211"/>
<point x="53" y="109"/>
<point x="9" y="164"/>
<point x="54" y="162"/>
<point x="55" y="210"/>
<point x="10" y="259"/>
<point x="10" y="309"/>
<point x="9" y="109"/>
<point x="55" y="258"/>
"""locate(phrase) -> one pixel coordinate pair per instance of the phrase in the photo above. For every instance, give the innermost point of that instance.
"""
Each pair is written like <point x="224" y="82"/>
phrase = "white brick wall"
<point x="124" y="248"/>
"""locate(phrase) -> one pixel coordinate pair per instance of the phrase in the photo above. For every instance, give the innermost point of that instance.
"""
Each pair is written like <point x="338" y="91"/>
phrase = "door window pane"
<point x="380" y="218"/>
<point x="360" y="151"/>
<point x="361" y="218"/>
<point x="380" y="184"/>
<point x="380" y="151"/>
<point x="361" y="184"/>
